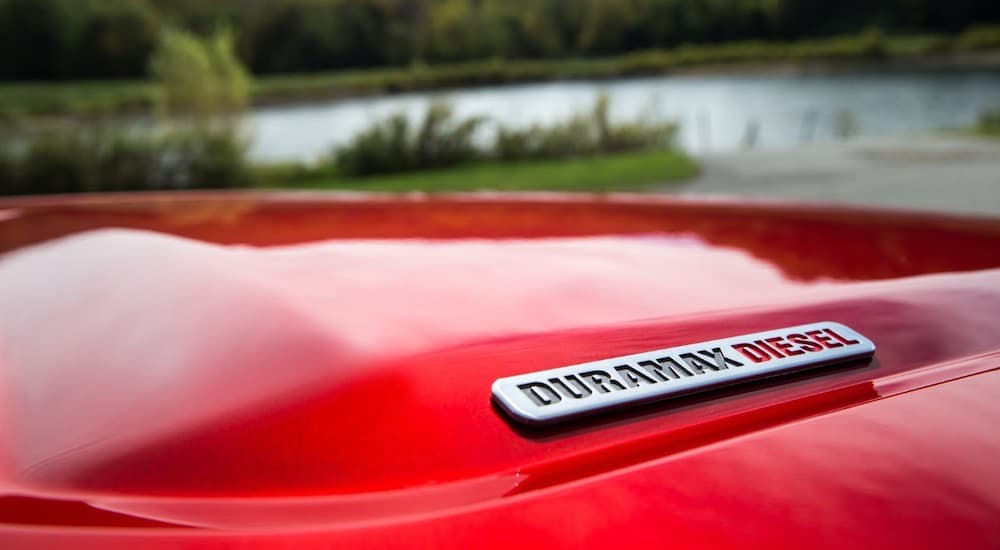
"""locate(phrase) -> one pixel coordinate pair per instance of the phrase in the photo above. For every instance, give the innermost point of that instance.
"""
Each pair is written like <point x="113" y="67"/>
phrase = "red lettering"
<point x="823" y="339"/>
<point x="773" y="351"/>
<point x="752" y="352"/>
<point x="804" y="342"/>
<point x="840" y="338"/>
<point x="784" y="346"/>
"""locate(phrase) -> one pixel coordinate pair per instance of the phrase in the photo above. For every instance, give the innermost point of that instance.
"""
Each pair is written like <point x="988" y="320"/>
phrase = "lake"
<point x="717" y="113"/>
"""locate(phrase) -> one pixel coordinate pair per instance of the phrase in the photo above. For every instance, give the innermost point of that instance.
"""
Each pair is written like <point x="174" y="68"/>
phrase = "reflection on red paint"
<point x="334" y="391"/>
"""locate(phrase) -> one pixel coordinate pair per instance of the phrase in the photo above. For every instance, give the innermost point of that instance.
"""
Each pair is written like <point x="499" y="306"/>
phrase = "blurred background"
<point x="893" y="103"/>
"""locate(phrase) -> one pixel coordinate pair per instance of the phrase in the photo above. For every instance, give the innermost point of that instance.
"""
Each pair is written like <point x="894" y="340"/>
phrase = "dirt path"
<point x="955" y="174"/>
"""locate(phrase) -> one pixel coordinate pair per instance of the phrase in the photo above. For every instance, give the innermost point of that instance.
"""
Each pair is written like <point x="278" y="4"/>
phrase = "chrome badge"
<point x="564" y="393"/>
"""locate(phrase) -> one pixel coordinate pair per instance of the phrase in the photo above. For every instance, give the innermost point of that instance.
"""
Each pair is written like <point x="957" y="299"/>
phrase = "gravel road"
<point x="955" y="174"/>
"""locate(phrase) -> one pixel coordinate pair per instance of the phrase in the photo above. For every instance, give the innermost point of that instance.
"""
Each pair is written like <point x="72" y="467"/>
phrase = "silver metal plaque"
<point x="563" y="393"/>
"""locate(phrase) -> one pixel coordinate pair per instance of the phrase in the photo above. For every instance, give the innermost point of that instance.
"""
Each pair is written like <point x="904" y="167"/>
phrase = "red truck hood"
<point x="289" y="369"/>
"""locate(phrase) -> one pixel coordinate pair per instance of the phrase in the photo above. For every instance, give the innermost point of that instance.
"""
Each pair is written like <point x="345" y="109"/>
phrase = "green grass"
<point x="76" y="98"/>
<point x="626" y="171"/>
<point x="96" y="97"/>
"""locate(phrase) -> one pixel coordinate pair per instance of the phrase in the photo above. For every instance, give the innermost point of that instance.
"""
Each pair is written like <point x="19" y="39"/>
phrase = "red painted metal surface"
<point x="163" y="387"/>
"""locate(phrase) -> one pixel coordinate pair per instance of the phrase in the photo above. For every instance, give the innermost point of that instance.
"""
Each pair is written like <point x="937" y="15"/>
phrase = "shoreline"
<point x="95" y="99"/>
<point x="945" y="63"/>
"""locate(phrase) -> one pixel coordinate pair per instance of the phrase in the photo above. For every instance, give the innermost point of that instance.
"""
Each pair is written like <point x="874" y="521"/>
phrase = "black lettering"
<point x="720" y="359"/>
<point x="632" y="376"/>
<point x="598" y="378"/>
<point x="664" y="368"/>
<point x="540" y="393"/>
<point x="696" y="363"/>
<point x="581" y="391"/>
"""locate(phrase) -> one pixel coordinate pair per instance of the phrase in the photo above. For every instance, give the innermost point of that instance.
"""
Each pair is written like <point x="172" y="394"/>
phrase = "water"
<point x="716" y="113"/>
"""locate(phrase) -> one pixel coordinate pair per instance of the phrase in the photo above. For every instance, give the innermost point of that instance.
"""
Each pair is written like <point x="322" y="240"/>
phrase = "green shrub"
<point x="444" y="141"/>
<point x="979" y="37"/>
<point x="115" y="159"/>
<point x="441" y="140"/>
<point x="989" y="122"/>
<point x="635" y="136"/>
<point x="583" y="134"/>
<point x="7" y="167"/>
<point x="125" y="162"/>
<point x="920" y="45"/>
<point x="208" y="159"/>
<point x="383" y="148"/>
<point x="872" y="43"/>
<point x="570" y="138"/>
<point x="395" y="145"/>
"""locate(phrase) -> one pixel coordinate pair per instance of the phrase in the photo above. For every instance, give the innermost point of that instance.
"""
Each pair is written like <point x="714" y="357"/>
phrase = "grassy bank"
<point x="624" y="171"/>
<point x="437" y="152"/>
<point x="116" y="96"/>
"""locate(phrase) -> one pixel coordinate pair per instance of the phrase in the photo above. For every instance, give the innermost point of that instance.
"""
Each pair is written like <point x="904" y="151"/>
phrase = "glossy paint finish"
<point x="171" y="391"/>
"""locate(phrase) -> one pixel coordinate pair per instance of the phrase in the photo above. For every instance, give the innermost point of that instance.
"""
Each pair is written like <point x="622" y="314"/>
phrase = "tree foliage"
<point x="53" y="39"/>
<point x="199" y="75"/>
<point x="115" y="40"/>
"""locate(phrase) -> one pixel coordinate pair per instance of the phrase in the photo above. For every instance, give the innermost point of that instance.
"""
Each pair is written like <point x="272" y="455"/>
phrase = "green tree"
<point x="522" y="29"/>
<point x="313" y="35"/>
<point x="232" y="82"/>
<point x="460" y="30"/>
<point x="607" y="25"/>
<point x="199" y="75"/>
<point x="117" y="39"/>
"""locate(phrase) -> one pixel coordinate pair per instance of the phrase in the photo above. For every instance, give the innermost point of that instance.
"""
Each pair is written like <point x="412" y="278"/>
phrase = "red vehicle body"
<point x="164" y="391"/>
